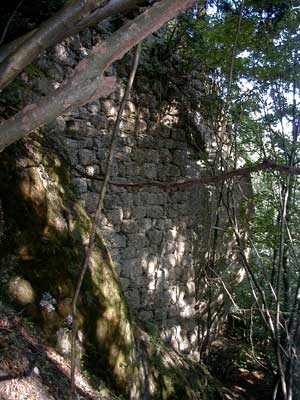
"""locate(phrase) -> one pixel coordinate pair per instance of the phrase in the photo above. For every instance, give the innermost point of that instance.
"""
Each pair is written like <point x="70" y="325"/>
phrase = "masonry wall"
<point x="151" y="232"/>
<point x="154" y="234"/>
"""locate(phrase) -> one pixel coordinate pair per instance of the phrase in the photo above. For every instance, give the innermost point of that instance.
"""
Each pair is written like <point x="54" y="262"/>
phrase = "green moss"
<point x="33" y="70"/>
<point x="44" y="232"/>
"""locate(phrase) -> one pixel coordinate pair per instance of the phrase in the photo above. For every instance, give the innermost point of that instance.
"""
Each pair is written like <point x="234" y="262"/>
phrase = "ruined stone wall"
<point x="153" y="234"/>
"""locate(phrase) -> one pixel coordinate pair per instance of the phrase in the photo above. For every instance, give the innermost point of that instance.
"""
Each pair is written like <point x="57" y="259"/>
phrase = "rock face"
<point x="41" y="249"/>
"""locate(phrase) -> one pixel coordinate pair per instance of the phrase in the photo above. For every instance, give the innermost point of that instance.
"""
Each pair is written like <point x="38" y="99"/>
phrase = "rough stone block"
<point x="76" y="126"/>
<point x="99" y="121"/>
<point x="84" y="114"/>
<point x="63" y="55"/>
<point x="150" y="170"/>
<point x="71" y="145"/>
<point x="150" y="265"/>
<point x="146" y="141"/>
<point x="134" y="266"/>
<point x="116" y="241"/>
<point x="146" y="315"/>
<point x="80" y="185"/>
<point x="167" y="143"/>
<point x="155" y="236"/>
<point x="129" y="108"/>
<point x="102" y="154"/>
<point x="129" y="252"/>
<point x="94" y="107"/>
<point x="132" y="169"/>
<point x="136" y="240"/>
<point x="112" y="201"/>
<point x="133" y="297"/>
<point x="92" y="170"/>
<point x="141" y="125"/>
<point x="179" y="157"/>
<point x="130" y="226"/>
<point x="90" y="201"/>
<point x="128" y="125"/>
<point x="174" y="171"/>
<point x="125" y="282"/>
<point x="155" y="212"/>
<point x="138" y="155"/>
<point x="109" y="108"/>
<point x="138" y="212"/>
<point x="115" y="215"/>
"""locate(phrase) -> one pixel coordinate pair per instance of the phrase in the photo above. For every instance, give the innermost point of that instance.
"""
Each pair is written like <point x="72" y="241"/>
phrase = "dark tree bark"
<point x="87" y="82"/>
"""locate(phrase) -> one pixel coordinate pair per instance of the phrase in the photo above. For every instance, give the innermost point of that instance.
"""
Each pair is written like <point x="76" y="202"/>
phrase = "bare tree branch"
<point x="49" y="32"/>
<point x="87" y="82"/>
<point x="13" y="51"/>
<point x="212" y="180"/>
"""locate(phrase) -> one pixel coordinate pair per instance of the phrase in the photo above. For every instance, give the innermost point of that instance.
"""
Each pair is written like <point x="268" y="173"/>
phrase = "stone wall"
<point x="150" y="231"/>
<point x="153" y="234"/>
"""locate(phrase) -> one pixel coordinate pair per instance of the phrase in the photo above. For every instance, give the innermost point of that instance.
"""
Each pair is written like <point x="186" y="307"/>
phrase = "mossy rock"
<point x="43" y="241"/>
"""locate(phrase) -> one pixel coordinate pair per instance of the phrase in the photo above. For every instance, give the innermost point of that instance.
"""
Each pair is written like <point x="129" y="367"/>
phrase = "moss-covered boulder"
<point x="44" y="233"/>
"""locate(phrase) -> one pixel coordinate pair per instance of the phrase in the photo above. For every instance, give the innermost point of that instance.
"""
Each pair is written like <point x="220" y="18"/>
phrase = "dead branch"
<point x="212" y="180"/>
<point x="12" y="54"/>
<point x="87" y="82"/>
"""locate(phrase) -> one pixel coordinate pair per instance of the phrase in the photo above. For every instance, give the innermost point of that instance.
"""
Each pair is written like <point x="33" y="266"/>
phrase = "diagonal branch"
<point x="87" y="81"/>
<point x="16" y="55"/>
<point x="49" y="32"/>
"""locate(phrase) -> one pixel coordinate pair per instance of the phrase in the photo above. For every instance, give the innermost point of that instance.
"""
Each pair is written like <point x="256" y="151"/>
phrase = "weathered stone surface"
<point x="139" y="212"/>
<point x="116" y="240"/>
<point x="130" y="226"/>
<point x="179" y="157"/>
<point x="87" y="157"/>
<point x="63" y="55"/>
<point x="80" y="185"/>
<point x="155" y="236"/>
<point x="155" y="212"/>
<point x="150" y="170"/>
<point x="99" y="121"/>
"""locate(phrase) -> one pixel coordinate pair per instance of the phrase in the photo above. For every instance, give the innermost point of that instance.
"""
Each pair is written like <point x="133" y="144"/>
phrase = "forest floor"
<point x="32" y="370"/>
<point x="240" y="368"/>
